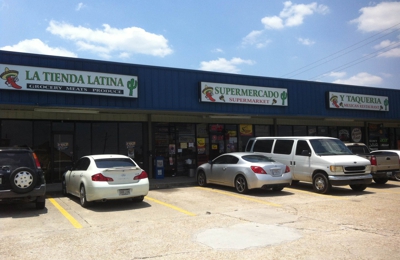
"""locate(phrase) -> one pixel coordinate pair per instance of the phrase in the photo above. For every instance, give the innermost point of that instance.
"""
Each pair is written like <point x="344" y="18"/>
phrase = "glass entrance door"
<point x="62" y="155"/>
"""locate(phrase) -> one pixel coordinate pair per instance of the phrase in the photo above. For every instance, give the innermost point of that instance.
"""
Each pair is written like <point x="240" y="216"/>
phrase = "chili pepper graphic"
<point x="11" y="76"/>
<point x="208" y="92"/>
<point x="334" y="100"/>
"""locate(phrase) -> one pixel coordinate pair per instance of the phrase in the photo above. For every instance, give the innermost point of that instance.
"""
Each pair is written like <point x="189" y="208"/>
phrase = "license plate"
<point x="124" y="192"/>
<point x="276" y="172"/>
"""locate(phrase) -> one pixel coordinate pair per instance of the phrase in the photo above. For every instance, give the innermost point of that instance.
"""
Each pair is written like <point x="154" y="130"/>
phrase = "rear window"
<point x="257" y="158"/>
<point x="16" y="159"/>
<point x="283" y="146"/>
<point x="114" y="162"/>
<point x="263" y="146"/>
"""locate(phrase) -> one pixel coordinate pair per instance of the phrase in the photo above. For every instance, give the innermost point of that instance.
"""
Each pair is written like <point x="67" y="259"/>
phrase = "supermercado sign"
<point x="355" y="101"/>
<point x="67" y="81"/>
<point x="238" y="94"/>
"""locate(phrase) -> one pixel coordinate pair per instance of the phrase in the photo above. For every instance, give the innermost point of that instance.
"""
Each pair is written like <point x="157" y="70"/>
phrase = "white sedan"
<point x="105" y="177"/>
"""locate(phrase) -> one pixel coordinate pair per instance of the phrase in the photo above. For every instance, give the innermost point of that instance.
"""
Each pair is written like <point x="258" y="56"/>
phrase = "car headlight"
<point x="368" y="168"/>
<point x="334" y="168"/>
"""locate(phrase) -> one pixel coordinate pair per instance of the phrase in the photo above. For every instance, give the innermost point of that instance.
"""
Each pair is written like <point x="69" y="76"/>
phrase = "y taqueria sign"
<point x="338" y="100"/>
<point x="67" y="81"/>
<point x="239" y="94"/>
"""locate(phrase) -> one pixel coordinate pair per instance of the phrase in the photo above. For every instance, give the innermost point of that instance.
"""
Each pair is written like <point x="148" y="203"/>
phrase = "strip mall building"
<point x="65" y="108"/>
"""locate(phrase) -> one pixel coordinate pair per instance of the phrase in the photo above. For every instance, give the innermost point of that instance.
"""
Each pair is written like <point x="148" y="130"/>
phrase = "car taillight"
<point x="287" y="169"/>
<point x="142" y="175"/>
<point x="373" y="160"/>
<point x="258" y="169"/>
<point x="36" y="161"/>
<point x="101" y="177"/>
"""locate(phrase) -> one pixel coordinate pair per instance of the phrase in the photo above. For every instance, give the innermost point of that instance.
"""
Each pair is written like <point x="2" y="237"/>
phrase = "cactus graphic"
<point x="132" y="84"/>
<point x="283" y="97"/>
<point x="386" y="103"/>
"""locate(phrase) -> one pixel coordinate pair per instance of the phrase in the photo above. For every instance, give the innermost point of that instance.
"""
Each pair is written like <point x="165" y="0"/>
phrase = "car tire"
<point x="201" y="179"/>
<point x="23" y="180"/>
<point x="321" y="183"/>
<point x="358" y="187"/>
<point x="380" y="180"/>
<point x="82" y="197"/>
<point x="40" y="203"/>
<point x="137" y="199"/>
<point x="396" y="176"/>
<point x="64" y="188"/>
<point x="277" y="188"/>
<point x="241" y="184"/>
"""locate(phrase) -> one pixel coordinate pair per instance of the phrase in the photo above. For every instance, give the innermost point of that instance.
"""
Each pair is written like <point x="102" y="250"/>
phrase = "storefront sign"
<point x="67" y="81"/>
<point x="238" y="94"/>
<point x="355" y="101"/>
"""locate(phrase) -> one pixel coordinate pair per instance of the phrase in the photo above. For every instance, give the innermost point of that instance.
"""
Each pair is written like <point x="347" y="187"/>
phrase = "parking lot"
<point x="210" y="223"/>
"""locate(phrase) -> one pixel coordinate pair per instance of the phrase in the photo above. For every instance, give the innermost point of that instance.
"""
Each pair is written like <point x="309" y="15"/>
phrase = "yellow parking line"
<point x="318" y="194"/>
<point x="241" y="197"/>
<point x="171" y="206"/>
<point x="73" y="221"/>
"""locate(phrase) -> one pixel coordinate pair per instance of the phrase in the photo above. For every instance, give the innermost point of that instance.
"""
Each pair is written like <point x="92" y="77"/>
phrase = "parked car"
<point x="396" y="173"/>
<point x="244" y="171"/>
<point x="21" y="177"/>
<point x="105" y="177"/>
<point x="383" y="163"/>
<point x="322" y="161"/>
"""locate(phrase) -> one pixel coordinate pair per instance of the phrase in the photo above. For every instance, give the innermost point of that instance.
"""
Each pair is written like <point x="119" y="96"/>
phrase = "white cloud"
<point x="223" y="65"/>
<point x="106" y="42"/>
<point x="80" y="6"/>
<point x="388" y="49"/>
<point x="361" y="79"/>
<point x="336" y="74"/>
<point x="293" y="15"/>
<point x="255" y="38"/>
<point x="218" y="50"/>
<point x="38" y="47"/>
<point x="306" y="41"/>
<point x="379" y="17"/>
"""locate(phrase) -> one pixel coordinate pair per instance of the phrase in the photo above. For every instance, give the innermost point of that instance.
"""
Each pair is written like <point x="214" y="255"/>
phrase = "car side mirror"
<point x="306" y="153"/>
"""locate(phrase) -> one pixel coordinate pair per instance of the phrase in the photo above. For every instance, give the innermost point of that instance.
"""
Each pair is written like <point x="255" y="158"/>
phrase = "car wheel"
<point x="396" y="176"/>
<point x="82" y="197"/>
<point x="277" y="188"/>
<point x="380" y="180"/>
<point x="23" y="180"/>
<point x="321" y="183"/>
<point x="64" y="188"/>
<point x="241" y="184"/>
<point x="358" y="187"/>
<point x="202" y="179"/>
<point x="138" y="199"/>
<point x="40" y="203"/>
<point x="295" y="182"/>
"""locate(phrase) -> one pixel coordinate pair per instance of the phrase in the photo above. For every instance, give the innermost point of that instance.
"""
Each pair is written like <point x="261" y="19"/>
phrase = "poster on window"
<point x="201" y="145"/>
<point x="246" y="130"/>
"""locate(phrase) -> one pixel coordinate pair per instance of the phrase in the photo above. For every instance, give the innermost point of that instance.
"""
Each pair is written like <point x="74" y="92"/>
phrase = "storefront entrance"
<point x="62" y="156"/>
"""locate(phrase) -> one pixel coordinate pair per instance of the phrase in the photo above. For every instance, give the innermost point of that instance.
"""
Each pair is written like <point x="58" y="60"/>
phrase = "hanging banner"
<point x="40" y="79"/>
<point x="238" y="94"/>
<point x="355" y="101"/>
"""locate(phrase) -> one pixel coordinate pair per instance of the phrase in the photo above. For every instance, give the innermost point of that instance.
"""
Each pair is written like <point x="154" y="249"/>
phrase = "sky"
<point x="353" y="42"/>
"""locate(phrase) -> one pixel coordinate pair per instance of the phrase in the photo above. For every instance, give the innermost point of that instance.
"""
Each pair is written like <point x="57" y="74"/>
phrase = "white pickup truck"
<point x="383" y="163"/>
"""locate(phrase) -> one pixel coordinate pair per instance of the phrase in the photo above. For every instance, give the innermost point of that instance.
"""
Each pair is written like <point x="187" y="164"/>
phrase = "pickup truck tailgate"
<point x="386" y="161"/>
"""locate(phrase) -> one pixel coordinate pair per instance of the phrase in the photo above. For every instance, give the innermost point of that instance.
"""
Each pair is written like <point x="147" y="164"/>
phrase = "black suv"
<point x="21" y="177"/>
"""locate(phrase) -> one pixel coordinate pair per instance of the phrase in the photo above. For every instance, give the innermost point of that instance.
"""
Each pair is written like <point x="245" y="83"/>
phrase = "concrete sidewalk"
<point x="167" y="182"/>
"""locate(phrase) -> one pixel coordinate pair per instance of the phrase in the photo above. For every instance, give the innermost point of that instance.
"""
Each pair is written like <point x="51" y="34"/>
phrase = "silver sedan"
<point x="105" y="177"/>
<point x="245" y="171"/>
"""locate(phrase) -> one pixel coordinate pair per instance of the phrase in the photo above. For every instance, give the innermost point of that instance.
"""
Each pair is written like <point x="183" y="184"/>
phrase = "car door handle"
<point x="224" y="168"/>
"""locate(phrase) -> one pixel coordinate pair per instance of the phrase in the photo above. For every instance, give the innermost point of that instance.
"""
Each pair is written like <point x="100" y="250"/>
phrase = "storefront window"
<point x="322" y="131"/>
<point x="299" y="130"/>
<point x="130" y="141"/>
<point x="217" y="136"/>
<point x="333" y="132"/>
<point x="16" y="133"/>
<point x="262" y="130"/>
<point x="42" y="143"/>
<point x="245" y="133"/>
<point x="202" y="144"/>
<point x="186" y="154"/>
<point x="285" y="130"/>
<point x="105" y="138"/>
<point x="83" y="140"/>
<point x="312" y="130"/>
<point x="344" y="134"/>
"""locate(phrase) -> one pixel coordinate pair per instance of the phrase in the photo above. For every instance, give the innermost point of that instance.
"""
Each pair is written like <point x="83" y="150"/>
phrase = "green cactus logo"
<point x="283" y="97"/>
<point x="386" y="103"/>
<point x="132" y="84"/>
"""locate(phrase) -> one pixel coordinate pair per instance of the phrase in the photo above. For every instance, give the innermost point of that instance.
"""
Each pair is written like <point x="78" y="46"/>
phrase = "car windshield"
<point x="329" y="147"/>
<point x="114" y="162"/>
<point x="256" y="158"/>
